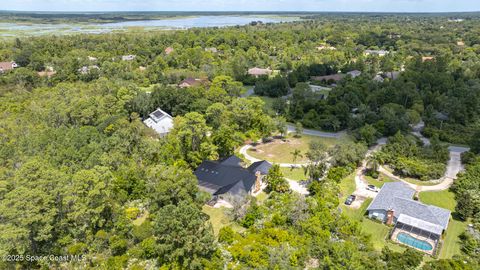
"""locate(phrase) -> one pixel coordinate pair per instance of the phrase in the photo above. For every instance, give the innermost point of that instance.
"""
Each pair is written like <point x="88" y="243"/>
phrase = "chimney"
<point x="390" y="214"/>
<point x="258" y="182"/>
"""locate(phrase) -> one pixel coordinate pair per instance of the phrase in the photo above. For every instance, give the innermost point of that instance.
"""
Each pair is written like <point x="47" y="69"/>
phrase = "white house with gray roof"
<point x="159" y="121"/>
<point x="396" y="198"/>
<point x="417" y="225"/>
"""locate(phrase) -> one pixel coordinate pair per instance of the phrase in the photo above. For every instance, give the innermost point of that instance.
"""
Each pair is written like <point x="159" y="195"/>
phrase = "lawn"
<point x="451" y="243"/>
<point x="295" y="174"/>
<point x="377" y="231"/>
<point x="219" y="219"/>
<point x="444" y="199"/>
<point x="347" y="187"/>
<point x="280" y="151"/>
<point x="382" y="179"/>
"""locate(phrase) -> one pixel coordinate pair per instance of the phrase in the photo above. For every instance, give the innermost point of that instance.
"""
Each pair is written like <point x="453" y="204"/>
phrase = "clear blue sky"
<point x="243" y="5"/>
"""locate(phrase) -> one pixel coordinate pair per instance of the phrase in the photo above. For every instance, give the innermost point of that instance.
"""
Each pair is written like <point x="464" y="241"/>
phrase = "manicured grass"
<point x="279" y="151"/>
<point x="296" y="174"/>
<point x="451" y="243"/>
<point x="357" y="214"/>
<point x="219" y="219"/>
<point x="444" y="199"/>
<point x="382" y="179"/>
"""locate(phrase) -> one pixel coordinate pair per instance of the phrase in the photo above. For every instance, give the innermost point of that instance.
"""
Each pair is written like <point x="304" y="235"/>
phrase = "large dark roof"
<point x="261" y="166"/>
<point x="228" y="176"/>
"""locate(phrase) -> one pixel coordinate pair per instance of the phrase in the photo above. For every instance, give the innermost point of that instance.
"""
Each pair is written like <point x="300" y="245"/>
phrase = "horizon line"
<point x="238" y="11"/>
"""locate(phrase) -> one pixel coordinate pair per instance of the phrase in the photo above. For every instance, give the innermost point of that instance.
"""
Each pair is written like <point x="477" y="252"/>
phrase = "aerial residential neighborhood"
<point x="271" y="135"/>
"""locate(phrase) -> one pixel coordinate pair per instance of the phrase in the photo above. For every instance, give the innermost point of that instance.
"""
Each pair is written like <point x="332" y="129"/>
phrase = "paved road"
<point x="454" y="165"/>
<point x="312" y="132"/>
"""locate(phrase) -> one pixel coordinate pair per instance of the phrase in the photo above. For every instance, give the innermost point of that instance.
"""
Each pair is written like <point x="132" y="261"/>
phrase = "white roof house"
<point x="354" y="73"/>
<point x="376" y="52"/>
<point x="128" y="57"/>
<point x="159" y="121"/>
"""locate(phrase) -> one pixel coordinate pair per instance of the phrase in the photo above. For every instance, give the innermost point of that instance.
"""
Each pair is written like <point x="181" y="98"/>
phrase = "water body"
<point x="16" y="29"/>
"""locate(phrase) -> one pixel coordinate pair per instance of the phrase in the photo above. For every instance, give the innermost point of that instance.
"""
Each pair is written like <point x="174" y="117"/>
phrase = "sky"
<point x="243" y="5"/>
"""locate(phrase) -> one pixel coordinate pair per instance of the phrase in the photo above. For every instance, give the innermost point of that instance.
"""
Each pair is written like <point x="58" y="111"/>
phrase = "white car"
<point x="373" y="188"/>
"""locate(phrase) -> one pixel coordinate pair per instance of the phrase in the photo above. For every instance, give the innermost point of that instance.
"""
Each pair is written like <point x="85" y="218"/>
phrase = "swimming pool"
<point x="414" y="242"/>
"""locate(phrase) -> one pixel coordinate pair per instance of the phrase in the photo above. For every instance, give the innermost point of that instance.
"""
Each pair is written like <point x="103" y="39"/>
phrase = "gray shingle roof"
<point x="261" y="166"/>
<point x="398" y="197"/>
<point x="227" y="176"/>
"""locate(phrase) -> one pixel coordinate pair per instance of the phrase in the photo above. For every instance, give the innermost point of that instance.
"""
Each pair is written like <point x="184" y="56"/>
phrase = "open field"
<point x="280" y="151"/>
<point x="451" y="243"/>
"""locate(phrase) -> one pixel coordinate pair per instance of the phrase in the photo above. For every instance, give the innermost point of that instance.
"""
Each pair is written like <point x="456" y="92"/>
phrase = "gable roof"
<point x="228" y="176"/>
<point x="192" y="82"/>
<point x="260" y="166"/>
<point x="259" y="71"/>
<point x="7" y="65"/>
<point x="231" y="161"/>
<point x="160" y="121"/>
<point x="397" y="196"/>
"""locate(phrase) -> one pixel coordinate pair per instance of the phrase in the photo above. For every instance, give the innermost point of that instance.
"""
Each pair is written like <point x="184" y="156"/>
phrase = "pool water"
<point x="414" y="242"/>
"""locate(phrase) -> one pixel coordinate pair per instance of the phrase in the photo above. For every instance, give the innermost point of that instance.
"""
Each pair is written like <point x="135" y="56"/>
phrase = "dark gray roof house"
<point x="396" y="198"/>
<point x="227" y="176"/>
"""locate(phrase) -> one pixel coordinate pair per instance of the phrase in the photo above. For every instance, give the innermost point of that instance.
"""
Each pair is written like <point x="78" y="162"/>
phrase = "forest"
<point x="80" y="174"/>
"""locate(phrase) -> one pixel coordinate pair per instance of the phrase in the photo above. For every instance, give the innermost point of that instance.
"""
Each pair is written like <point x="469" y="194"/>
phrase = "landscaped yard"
<point x="444" y="199"/>
<point x="451" y="243"/>
<point x="382" y="179"/>
<point x="219" y="219"/>
<point x="280" y="151"/>
<point x="296" y="174"/>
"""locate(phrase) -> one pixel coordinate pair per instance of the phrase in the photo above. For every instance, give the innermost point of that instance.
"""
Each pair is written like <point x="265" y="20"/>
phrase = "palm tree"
<point x="375" y="160"/>
<point x="296" y="154"/>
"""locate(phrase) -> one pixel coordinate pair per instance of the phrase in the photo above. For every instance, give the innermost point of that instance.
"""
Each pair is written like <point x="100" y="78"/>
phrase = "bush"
<point x="226" y="235"/>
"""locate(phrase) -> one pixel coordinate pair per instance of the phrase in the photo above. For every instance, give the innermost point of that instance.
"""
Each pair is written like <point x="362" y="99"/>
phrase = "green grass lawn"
<point x="296" y="174"/>
<point x="219" y="219"/>
<point x="382" y="179"/>
<point x="279" y="151"/>
<point x="444" y="199"/>
<point x="451" y="243"/>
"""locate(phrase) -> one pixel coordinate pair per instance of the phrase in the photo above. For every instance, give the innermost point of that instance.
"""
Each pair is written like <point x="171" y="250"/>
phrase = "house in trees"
<point x="417" y="225"/>
<point x="159" y="121"/>
<point x="326" y="47"/>
<point x="354" y="73"/>
<point x="227" y="177"/>
<point x="190" y="82"/>
<point x="129" y="57"/>
<point x="86" y="69"/>
<point x="334" y="78"/>
<point x="6" y="66"/>
<point x="211" y="49"/>
<point x="257" y="72"/>
<point x="379" y="53"/>
<point x="168" y="50"/>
